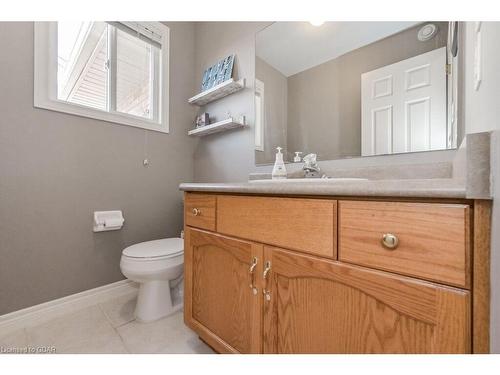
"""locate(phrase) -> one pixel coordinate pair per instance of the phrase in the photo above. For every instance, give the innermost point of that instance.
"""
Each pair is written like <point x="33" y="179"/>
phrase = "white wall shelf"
<point x="216" y="127"/>
<point x="221" y="90"/>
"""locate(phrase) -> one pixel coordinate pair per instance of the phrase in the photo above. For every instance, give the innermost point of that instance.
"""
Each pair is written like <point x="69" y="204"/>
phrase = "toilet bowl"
<point x="157" y="266"/>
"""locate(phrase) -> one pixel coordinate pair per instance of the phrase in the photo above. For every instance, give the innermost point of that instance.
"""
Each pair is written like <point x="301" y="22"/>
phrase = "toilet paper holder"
<point x="108" y="220"/>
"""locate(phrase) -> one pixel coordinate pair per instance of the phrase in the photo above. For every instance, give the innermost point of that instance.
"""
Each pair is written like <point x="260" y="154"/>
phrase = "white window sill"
<point x="117" y="118"/>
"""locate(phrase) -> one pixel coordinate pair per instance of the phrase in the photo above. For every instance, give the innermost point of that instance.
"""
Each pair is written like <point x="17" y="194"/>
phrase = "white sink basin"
<point x="330" y="179"/>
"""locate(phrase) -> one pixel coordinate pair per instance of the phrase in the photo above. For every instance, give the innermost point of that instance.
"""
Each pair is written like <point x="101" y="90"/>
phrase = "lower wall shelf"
<point x="216" y="127"/>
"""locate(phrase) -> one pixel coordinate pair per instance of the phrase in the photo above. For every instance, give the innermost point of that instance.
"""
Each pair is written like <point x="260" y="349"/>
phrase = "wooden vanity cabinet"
<point x="306" y="225"/>
<point x="253" y="286"/>
<point x="199" y="211"/>
<point x="433" y="238"/>
<point x="321" y="306"/>
<point x="220" y="303"/>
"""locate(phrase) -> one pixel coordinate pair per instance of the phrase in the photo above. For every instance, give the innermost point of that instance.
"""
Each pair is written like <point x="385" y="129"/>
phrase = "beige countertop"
<point x="467" y="176"/>
<point x="418" y="188"/>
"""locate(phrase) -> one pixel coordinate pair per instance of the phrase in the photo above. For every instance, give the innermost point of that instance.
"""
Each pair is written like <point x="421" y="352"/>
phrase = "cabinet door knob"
<point x="390" y="241"/>
<point x="196" y="212"/>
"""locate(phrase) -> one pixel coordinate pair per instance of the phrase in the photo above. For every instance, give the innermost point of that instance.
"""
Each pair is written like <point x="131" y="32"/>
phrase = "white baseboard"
<point x="46" y="311"/>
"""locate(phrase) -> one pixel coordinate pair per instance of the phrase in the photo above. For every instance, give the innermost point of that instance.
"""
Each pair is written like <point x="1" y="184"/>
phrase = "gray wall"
<point x="275" y="111"/>
<point x="227" y="156"/>
<point x="56" y="169"/>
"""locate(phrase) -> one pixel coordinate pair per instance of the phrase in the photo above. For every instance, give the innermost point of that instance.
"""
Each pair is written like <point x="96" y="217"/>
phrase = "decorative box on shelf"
<point x="216" y="127"/>
<point x="221" y="90"/>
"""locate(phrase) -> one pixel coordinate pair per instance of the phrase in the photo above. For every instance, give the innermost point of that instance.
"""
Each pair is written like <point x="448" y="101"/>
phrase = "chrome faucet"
<point x="311" y="167"/>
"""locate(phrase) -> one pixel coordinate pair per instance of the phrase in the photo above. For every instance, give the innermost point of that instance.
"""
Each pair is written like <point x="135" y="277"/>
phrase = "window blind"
<point x="145" y="31"/>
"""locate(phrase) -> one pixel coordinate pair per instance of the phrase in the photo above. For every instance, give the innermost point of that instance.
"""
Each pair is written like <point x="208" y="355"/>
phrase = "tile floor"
<point x="109" y="327"/>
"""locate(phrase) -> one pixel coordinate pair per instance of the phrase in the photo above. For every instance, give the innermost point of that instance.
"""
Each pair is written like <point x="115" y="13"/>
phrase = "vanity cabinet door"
<point x="223" y="302"/>
<point x="314" y="305"/>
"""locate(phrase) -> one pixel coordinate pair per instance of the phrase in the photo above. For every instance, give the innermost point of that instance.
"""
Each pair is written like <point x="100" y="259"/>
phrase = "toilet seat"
<point x="155" y="250"/>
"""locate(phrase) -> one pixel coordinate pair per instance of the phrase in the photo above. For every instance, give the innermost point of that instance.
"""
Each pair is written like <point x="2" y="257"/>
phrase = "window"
<point x="113" y="71"/>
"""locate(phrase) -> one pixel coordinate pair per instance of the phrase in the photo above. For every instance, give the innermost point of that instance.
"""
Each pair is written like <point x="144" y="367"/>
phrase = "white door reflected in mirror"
<point x="404" y="106"/>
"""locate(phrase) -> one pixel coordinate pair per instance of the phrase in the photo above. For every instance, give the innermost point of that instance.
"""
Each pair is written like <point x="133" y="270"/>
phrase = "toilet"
<point x="158" y="268"/>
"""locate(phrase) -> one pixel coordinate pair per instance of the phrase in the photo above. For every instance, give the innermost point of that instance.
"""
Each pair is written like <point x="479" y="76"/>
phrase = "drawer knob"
<point x="390" y="241"/>
<point x="196" y="212"/>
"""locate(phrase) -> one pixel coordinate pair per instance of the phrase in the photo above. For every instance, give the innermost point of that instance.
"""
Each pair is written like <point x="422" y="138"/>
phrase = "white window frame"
<point x="260" y="118"/>
<point x="45" y="83"/>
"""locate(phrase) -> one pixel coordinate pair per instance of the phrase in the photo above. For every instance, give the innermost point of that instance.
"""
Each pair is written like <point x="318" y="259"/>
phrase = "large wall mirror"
<point x="352" y="89"/>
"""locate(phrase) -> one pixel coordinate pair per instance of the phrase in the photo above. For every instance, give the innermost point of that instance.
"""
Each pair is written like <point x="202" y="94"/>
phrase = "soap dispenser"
<point x="297" y="158"/>
<point x="279" y="170"/>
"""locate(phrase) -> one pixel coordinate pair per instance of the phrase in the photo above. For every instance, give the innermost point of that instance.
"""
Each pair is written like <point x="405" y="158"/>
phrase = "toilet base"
<point x="154" y="301"/>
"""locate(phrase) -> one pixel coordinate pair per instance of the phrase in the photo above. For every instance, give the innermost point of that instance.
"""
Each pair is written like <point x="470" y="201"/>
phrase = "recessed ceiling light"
<point x="317" y="23"/>
<point x="427" y="32"/>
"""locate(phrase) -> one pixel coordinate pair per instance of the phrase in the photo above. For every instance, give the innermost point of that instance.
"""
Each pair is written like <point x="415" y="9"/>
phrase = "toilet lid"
<point x="157" y="248"/>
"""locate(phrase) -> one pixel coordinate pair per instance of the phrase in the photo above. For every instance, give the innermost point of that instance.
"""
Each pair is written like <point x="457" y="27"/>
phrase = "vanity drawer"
<point x="199" y="210"/>
<point x="307" y="225"/>
<point x="432" y="239"/>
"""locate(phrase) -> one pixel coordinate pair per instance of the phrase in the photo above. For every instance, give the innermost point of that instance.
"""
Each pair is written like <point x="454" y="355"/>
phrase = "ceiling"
<point x="291" y="47"/>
